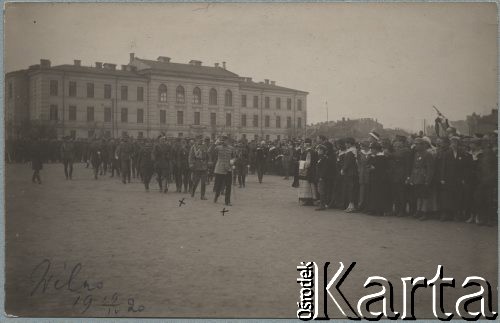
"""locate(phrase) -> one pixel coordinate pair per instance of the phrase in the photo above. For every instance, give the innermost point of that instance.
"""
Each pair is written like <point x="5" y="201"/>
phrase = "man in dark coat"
<point x="68" y="156"/>
<point x="400" y="168"/>
<point x="322" y="176"/>
<point x="181" y="155"/>
<point x="379" y="180"/>
<point x="124" y="153"/>
<point x="162" y="153"/>
<point x="452" y="175"/>
<point x="146" y="163"/>
<point x="337" y="200"/>
<point x="260" y="160"/>
<point x="105" y="157"/>
<point x="331" y="160"/>
<point x="95" y="151"/>
<point x="36" y="156"/>
<point x="198" y="164"/>
<point x="113" y="163"/>
<point x="422" y="175"/>
<point x="486" y="177"/>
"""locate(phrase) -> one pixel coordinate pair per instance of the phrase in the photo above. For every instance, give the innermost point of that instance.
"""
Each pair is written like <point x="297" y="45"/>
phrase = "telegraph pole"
<point x="326" y="107"/>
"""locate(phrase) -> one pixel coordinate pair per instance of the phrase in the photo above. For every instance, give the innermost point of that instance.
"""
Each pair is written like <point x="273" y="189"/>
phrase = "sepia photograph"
<point x="307" y="161"/>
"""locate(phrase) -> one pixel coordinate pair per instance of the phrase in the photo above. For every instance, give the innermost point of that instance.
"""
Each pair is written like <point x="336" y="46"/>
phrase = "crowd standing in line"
<point x="450" y="177"/>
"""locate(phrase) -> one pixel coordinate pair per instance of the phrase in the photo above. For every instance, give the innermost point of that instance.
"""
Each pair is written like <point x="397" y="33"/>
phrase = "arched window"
<point x="162" y="93"/>
<point x="179" y="95"/>
<point x="212" y="100"/>
<point x="228" y="98"/>
<point x="196" y="95"/>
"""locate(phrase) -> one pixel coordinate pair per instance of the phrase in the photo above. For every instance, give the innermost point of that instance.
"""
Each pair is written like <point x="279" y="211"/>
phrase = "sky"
<point x="390" y="62"/>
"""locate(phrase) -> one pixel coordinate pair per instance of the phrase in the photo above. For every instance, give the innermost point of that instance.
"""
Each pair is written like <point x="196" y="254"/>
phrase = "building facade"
<point x="147" y="97"/>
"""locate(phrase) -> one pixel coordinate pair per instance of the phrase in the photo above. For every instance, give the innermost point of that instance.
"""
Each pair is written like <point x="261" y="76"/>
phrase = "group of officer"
<point x="188" y="163"/>
<point x="452" y="177"/>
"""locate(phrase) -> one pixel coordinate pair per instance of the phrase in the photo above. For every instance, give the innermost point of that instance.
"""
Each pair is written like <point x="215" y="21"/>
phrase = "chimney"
<point x="109" y="66"/>
<point x="224" y="65"/>
<point x="163" y="59"/>
<point x="266" y="81"/>
<point x="98" y="65"/>
<point x="77" y="62"/>
<point x="195" y="62"/>
<point x="132" y="57"/>
<point x="44" y="63"/>
<point x="273" y="83"/>
<point x="216" y="64"/>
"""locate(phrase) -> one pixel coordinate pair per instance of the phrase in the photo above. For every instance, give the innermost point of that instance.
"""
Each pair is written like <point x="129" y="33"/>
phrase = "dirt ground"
<point x="134" y="253"/>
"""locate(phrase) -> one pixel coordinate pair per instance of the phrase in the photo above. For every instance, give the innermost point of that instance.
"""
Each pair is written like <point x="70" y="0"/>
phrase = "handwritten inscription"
<point x="88" y="293"/>
<point x="44" y="279"/>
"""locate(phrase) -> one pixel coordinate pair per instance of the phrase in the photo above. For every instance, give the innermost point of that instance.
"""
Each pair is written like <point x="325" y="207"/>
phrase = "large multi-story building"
<point x="146" y="97"/>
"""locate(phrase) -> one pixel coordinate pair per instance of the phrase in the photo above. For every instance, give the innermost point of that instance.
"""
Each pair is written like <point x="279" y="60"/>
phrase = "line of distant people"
<point x="446" y="178"/>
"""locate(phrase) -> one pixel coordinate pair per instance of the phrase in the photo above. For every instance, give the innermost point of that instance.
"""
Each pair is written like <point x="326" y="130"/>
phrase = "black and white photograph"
<point x="305" y="161"/>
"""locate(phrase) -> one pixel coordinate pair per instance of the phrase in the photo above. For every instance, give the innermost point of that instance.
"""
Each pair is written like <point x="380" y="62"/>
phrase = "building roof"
<point x="95" y="70"/>
<point x="187" y="68"/>
<point x="270" y="87"/>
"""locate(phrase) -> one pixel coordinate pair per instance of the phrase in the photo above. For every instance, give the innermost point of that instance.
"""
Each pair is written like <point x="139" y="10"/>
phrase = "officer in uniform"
<point x="198" y="164"/>
<point x="114" y="163"/>
<point x="105" y="157"/>
<point x="223" y="168"/>
<point x="181" y="166"/>
<point x="124" y="153"/>
<point x="95" y="156"/>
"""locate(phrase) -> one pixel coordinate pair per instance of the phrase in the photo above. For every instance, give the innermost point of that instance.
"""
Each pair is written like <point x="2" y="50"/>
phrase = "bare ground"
<point x="191" y="261"/>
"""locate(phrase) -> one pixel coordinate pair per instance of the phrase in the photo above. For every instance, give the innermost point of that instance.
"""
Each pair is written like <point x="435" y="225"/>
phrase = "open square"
<point x="190" y="261"/>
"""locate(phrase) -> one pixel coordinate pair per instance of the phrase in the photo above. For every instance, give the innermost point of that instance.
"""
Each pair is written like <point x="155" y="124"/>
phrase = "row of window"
<point x="180" y="95"/>
<point x="54" y="90"/>
<point x="140" y="134"/>
<point x="267" y="103"/>
<point x="54" y="116"/>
